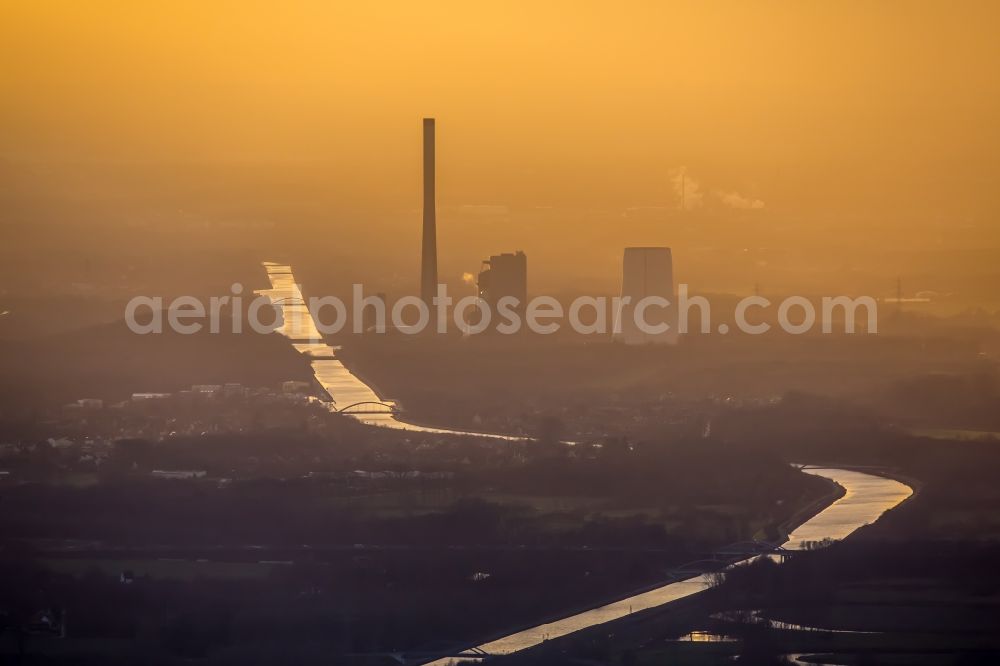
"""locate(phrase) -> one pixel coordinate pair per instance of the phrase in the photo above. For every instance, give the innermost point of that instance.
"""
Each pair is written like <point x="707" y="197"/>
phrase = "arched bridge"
<point x="369" y="407"/>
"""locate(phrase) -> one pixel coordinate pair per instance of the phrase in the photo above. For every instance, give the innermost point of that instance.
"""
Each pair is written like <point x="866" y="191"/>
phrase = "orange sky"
<point x="874" y="116"/>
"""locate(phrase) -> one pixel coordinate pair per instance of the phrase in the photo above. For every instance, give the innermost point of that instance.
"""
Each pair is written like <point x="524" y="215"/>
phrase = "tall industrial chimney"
<point x="428" y="255"/>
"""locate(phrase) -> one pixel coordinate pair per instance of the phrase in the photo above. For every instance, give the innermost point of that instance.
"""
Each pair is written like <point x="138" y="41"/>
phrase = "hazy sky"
<point x="871" y="115"/>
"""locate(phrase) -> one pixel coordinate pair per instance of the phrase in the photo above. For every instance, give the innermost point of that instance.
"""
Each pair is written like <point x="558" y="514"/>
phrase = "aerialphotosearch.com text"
<point x="542" y="315"/>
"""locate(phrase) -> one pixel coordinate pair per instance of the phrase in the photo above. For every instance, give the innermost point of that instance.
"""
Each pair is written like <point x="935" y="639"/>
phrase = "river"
<point x="866" y="496"/>
<point x="343" y="387"/>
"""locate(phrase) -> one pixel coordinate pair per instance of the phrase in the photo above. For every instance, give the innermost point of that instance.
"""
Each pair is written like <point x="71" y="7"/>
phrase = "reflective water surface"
<point x="345" y="389"/>
<point x="866" y="497"/>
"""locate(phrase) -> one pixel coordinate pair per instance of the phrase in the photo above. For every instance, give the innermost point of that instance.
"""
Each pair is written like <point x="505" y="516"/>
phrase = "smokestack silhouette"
<point x="428" y="256"/>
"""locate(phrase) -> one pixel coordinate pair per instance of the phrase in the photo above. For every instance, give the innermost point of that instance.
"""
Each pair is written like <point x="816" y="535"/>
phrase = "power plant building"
<point x="646" y="272"/>
<point x="504" y="275"/>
